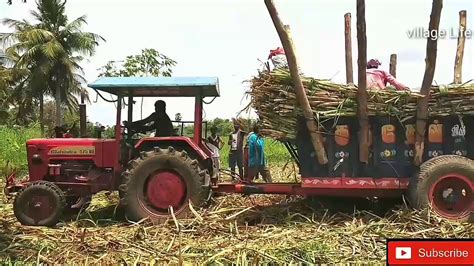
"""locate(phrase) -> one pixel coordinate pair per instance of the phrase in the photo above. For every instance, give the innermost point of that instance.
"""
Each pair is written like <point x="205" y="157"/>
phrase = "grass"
<point x="275" y="151"/>
<point x="13" y="147"/>
<point x="234" y="228"/>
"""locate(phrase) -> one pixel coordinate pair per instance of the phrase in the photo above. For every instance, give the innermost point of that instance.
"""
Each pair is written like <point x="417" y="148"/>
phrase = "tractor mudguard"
<point x="11" y="185"/>
<point x="177" y="142"/>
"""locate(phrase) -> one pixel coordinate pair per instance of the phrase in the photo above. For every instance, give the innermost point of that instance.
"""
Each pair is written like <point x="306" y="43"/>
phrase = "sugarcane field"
<point x="236" y="132"/>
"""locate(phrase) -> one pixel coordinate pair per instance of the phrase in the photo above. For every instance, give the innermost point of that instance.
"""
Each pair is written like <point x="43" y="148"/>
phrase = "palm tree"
<point x="51" y="49"/>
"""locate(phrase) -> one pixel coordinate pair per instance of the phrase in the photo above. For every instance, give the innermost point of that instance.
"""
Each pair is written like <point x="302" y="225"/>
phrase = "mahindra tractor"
<point x="152" y="174"/>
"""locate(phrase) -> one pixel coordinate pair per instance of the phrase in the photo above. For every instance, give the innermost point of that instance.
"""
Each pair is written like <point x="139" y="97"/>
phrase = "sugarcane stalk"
<point x="298" y="84"/>
<point x="422" y="107"/>
<point x="362" y="83"/>
<point x="460" y="48"/>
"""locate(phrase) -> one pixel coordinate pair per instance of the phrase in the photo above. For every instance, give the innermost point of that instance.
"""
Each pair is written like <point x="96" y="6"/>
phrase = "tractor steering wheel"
<point x="132" y="130"/>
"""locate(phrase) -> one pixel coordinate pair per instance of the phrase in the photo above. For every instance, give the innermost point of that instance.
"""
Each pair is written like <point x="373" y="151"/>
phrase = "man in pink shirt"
<point x="377" y="79"/>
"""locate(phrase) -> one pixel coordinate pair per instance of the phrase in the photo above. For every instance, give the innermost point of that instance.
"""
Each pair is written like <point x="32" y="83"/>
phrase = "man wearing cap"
<point x="377" y="78"/>
<point x="278" y="58"/>
<point x="161" y="121"/>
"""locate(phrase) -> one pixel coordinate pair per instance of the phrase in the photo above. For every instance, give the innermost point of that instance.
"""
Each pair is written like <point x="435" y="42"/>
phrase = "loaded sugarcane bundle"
<point x="273" y="98"/>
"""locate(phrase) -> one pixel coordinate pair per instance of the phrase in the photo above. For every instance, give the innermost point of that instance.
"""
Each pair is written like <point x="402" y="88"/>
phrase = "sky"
<point x="226" y="39"/>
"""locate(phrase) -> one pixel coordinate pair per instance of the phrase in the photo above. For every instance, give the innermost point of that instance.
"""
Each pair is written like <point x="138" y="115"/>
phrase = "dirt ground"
<point x="235" y="228"/>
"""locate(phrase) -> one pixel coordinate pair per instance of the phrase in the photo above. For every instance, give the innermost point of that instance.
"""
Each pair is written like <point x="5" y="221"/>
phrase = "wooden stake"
<point x="422" y="107"/>
<point x="287" y="43"/>
<point x="393" y="65"/>
<point x="460" y="48"/>
<point x="347" y="37"/>
<point x="362" y="83"/>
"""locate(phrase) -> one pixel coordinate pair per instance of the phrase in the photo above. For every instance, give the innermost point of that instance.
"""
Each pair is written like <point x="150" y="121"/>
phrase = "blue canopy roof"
<point x="158" y="86"/>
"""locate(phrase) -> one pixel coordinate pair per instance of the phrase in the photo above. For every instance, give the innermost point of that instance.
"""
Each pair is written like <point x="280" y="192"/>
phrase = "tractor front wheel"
<point x="161" y="179"/>
<point x="445" y="184"/>
<point x="41" y="203"/>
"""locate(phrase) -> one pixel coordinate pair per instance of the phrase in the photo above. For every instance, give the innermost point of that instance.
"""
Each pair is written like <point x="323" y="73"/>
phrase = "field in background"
<point x="13" y="150"/>
<point x="13" y="147"/>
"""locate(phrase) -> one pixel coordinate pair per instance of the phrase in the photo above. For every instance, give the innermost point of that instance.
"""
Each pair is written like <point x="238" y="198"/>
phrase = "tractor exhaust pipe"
<point x="82" y="116"/>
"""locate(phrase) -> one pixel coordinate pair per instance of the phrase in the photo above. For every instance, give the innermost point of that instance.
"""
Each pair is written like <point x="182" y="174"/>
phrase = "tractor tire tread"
<point x="198" y="199"/>
<point x="49" y="186"/>
<point x="428" y="174"/>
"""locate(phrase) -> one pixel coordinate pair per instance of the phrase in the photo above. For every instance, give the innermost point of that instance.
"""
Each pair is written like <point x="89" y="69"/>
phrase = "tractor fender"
<point x="180" y="143"/>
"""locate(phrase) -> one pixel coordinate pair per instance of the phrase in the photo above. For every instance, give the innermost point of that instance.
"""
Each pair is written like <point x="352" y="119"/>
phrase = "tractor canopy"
<point x="158" y="86"/>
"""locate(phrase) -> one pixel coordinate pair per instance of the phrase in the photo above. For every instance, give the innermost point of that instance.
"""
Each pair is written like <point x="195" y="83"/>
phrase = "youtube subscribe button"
<point x="422" y="251"/>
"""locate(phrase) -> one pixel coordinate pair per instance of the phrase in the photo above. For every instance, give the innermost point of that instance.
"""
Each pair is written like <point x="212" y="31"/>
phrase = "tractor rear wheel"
<point x="445" y="184"/>
<point x="161" y="179"/>
<point x="41" y="203"/>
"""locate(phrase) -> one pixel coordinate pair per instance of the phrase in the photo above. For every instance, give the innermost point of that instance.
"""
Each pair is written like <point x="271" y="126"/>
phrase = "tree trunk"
<point x="422" y="107"/>
<point x="298" y="84"/>
<point x="59" y="114"/>
<point x="460" y="47"/>
<point x="393" y="65"/>
<point x="41" y="114"/>
<point x="362" y="83"/>
<point x="348" y="46"/>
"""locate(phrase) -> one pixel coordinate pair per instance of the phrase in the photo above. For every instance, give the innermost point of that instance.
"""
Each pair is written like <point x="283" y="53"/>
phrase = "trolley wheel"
<point x="445" y="184"/>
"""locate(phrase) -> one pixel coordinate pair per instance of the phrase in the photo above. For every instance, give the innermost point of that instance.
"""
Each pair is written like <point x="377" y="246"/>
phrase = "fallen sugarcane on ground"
<point x="233" y="229"/>
<point x="273" y="98"/>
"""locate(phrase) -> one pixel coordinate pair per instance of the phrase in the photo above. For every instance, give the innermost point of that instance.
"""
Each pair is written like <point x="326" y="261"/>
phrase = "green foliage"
<point x="47" y="53"/>
<point x="149" y="63"/>
<point x="13" y="151"/>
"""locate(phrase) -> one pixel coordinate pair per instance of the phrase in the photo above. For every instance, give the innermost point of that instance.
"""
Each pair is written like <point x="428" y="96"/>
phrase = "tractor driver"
<point x="161" y="121"/>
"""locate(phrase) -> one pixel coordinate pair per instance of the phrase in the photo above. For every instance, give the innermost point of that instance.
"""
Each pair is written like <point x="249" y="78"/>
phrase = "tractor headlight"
<point x="36" y="159"/>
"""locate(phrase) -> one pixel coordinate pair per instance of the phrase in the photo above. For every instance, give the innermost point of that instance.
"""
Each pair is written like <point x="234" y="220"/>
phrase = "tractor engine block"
<point x="72" y="171"/>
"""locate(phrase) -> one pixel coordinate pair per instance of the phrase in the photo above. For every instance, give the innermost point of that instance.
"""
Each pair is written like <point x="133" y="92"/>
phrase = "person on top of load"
<point x="161" y="121"/>
<point x="278" y="58"/>
<point x="377" y="78"/>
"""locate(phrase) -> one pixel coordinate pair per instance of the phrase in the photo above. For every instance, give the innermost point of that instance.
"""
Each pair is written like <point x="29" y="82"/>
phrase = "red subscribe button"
<point x="453" y="252"/>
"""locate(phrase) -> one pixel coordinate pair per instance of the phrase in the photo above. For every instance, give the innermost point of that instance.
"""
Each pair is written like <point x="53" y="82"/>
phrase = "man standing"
<point x="377" y="79"/>
<point x="257" y="163"/>
<point x="236" y="153"/>
<point x="215" y="144"/>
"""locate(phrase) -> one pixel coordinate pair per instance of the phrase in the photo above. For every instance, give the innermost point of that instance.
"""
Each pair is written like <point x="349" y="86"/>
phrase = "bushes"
<point x="13" y="149"/>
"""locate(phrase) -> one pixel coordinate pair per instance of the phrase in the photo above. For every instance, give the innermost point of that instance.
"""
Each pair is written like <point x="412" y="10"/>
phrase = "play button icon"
<point x="403" y="253"/>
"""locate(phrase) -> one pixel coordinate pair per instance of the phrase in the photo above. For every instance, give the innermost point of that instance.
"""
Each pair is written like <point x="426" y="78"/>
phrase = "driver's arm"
<point x="145" y="121"/>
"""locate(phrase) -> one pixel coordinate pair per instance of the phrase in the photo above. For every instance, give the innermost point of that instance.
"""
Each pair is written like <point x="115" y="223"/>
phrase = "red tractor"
<point x="153" y="174"/>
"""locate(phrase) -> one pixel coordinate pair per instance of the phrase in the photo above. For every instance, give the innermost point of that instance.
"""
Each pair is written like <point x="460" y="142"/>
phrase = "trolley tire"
<point x="421" y="187"/>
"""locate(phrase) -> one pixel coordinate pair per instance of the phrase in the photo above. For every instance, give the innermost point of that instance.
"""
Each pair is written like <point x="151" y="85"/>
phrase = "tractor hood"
<point x="63" y="141"/>
<point x="67" y="146"/>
